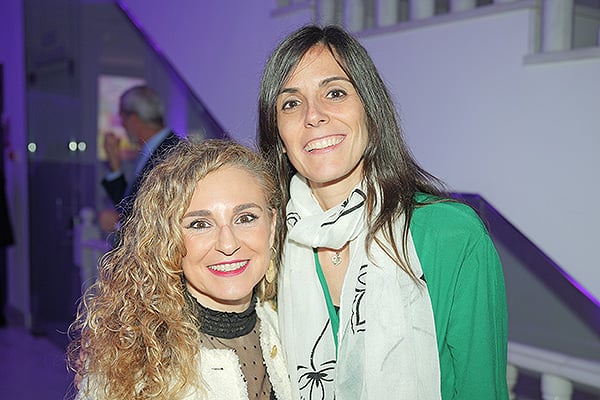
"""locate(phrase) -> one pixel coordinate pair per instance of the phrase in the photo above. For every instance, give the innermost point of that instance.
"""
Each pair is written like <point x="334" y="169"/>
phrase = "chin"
<point x="236" y="298"/>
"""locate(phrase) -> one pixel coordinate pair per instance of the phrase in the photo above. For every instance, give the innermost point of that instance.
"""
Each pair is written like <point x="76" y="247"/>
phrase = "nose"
<point x="227" y="242"/>
<point x="315" y="114"/>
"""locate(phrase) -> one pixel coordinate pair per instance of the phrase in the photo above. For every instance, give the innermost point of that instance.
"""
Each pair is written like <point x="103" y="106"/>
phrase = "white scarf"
<point x="387" y="344"/>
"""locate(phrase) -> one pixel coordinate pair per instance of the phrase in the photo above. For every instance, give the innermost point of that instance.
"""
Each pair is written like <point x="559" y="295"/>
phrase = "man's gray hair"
<point x="145" y="103"/>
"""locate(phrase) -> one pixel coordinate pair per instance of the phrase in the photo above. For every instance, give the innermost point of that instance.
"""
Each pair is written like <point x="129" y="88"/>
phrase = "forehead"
<point x="229" y="183"/>
<point x="318" y="61"/>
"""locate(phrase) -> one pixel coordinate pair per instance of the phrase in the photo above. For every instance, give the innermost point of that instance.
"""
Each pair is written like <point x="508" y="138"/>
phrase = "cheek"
<point x="195" y="249"/>
<point x="262" y="239"/>
<point x="186" y="266"/>
<point x="187" y="243"/>
<point x="192" y="265"/>
<point x="364" y="135"/>
<point x="291" y="149"/>
<point x="263" y="242"/>
<point x="287" y="128"/>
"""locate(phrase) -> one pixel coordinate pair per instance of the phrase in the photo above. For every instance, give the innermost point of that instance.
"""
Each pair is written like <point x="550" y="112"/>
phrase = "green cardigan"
<point x="466" y="285"/>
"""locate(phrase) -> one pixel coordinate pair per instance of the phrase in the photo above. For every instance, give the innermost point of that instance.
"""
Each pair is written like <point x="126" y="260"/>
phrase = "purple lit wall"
<point x="219" y="49"/>
<point x="14" y="147"/>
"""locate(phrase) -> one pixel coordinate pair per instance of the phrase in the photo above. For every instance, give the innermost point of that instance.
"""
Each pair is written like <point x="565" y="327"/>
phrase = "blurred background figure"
<point x="142" y="115"/>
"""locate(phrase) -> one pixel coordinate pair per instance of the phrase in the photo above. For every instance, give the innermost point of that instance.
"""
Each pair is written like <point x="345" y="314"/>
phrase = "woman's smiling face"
<point x="228" y="232"/>
<point x="321" y="121"/>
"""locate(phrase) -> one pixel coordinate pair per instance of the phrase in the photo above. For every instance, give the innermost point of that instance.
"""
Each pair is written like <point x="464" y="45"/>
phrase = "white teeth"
<point x="321" y="144"/>
<point x="227" y="267"/>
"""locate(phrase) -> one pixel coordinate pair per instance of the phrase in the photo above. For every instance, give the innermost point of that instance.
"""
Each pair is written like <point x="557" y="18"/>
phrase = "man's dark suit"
<point x="116" y="189"/>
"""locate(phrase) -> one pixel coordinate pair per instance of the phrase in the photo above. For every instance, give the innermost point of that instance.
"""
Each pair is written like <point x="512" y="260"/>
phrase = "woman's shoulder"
<point x="445" y="214"/>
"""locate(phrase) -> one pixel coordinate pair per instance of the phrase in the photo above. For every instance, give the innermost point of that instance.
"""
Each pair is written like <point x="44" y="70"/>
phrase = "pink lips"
<point x="229" y="273"/>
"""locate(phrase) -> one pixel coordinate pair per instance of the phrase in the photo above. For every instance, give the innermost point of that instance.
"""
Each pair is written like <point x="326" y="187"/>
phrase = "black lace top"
<point x="238" y="332"/>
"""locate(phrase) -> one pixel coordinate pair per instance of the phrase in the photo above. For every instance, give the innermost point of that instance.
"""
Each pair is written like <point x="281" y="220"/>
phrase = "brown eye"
<point x="336" y="94"/>
<point x="288" y="105"/>
<point x="246" y="218"/>
<point x="199" y="224"/>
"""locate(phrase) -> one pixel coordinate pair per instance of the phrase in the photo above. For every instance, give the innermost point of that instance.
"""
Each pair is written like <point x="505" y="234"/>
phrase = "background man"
<point x="142" y="115"/>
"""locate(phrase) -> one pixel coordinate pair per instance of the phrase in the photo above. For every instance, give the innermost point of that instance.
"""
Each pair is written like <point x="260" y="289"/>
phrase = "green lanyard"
<point x="333" y="315"/>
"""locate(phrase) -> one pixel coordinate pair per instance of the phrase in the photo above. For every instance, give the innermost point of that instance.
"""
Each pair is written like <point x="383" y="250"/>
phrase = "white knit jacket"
<point x="220" y="368"/>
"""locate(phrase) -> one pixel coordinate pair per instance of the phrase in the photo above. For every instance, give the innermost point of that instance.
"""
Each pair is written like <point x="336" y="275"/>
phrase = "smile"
<point x="229" y="269"/>
<point x="324" y="143"/>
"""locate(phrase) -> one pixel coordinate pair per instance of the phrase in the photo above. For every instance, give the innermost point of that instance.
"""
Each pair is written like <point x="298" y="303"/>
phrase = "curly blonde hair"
<point x="134" y="333"/>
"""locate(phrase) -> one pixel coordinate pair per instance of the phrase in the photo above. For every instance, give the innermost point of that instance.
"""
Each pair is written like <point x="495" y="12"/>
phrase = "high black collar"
<point x="225" y="325"/>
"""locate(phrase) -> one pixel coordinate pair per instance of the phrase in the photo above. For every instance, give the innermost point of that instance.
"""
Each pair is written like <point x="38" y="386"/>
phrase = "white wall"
<point x="525" y="136"/>
<point x="15" y="156"/>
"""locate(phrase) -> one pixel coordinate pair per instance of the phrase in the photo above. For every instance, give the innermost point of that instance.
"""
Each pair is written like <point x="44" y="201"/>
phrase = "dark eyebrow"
<point x="321" y="84"/>
<point x="334" y="78"/>
<point x="197" y="213"/>
<point x="236" y="209"/>
<point x="246" y="206"/>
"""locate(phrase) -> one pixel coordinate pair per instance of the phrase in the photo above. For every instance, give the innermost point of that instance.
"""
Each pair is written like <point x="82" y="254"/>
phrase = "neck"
<point x="223" y="324"/>
<point x="331" y="194"/>
<point x="148" y="133"/>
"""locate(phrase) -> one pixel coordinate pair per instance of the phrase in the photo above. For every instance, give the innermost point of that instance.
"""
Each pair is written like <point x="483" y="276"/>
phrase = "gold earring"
<point x="270" y="274"/>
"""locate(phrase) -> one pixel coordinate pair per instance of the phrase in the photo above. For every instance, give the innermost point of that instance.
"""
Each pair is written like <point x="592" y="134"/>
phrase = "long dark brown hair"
<point x="388" y="164"/>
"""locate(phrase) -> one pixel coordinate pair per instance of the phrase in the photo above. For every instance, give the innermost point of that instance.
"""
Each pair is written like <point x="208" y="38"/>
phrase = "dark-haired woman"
<point x="389" y="288"/>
